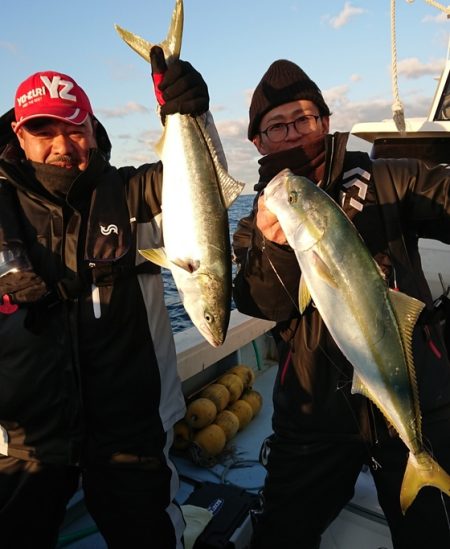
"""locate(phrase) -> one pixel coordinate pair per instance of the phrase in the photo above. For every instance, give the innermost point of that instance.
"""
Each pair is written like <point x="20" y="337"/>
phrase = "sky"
<point x="344" y="46"/>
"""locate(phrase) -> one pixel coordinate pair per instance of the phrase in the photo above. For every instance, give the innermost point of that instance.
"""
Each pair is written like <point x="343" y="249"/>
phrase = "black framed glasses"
<point x="303" y="124"/>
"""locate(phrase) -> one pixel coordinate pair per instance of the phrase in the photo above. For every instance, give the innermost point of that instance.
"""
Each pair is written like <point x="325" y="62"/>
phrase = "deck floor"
<point x="241" y="468"/>
<point x="360" y="525"/>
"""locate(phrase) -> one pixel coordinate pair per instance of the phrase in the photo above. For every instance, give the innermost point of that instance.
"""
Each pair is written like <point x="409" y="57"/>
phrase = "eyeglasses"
<point x="304" y="124"/>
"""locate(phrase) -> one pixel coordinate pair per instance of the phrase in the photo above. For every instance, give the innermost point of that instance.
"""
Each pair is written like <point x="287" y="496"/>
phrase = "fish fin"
<point x="422" y="470"/>
<point x="171" y="46"/>
<point x="323" y="271"/>
<point x="229" y="187"/>
<point x="358" y="385"/>
<point x="304" y="297"/>
<point x="187" y="264"/>
<point x="407" y="310"/>
<point x="136" y="43"/>
<point x="159" y="145"/>
<point x="157" y="256"/>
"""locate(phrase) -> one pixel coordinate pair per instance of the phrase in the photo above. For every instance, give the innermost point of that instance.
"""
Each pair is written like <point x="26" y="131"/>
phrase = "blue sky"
<point x="344" y="46"/>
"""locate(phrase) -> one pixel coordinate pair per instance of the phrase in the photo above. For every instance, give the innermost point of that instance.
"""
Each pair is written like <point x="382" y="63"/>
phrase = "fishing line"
<point x="429" y="448"/>
<point x="447" y="518"/>
<point x="264" y="251"/>
<point x="375" y="465"/>
<point x="294" y="302"/>
<point x="325" y="353"/>
<point x="365" y="442"/>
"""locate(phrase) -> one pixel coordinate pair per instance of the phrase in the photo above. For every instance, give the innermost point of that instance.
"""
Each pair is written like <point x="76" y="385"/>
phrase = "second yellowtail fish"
<point x="371" y="324"/>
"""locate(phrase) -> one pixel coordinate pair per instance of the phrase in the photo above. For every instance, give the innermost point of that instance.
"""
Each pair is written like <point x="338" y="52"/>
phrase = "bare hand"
<point x="268" y="223"/>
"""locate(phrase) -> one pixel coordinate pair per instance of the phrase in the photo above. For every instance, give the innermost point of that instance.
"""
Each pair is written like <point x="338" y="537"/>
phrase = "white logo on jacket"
<point x="359" y="178"/>
<point x="109" y="229"/>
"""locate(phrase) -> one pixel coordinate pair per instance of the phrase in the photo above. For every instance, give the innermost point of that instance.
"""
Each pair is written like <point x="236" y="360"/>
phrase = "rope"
<point x="398" y="114"/>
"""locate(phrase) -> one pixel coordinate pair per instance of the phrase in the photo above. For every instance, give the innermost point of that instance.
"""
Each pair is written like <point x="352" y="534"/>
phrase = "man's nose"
<point x="62" y="144"/>
<point x="292" y="132"/>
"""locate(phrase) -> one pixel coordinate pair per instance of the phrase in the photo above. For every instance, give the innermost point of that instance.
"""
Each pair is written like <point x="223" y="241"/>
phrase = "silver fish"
<point x="370" y="323"/>
<point x="196" y="193"/>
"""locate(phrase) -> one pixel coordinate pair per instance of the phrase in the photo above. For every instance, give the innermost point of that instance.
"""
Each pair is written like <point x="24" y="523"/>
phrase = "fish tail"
<point x="171" y="46"/>
<point x="422" y="470"/>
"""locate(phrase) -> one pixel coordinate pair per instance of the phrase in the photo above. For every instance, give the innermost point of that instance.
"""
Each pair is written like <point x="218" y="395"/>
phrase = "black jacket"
<point x="392" y="203"/>
<point x="93" y="372"/>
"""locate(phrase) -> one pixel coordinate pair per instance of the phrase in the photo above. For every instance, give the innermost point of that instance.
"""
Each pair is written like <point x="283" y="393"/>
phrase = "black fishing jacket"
<point x="392" y="203"/>
<point x="90" y="372"/>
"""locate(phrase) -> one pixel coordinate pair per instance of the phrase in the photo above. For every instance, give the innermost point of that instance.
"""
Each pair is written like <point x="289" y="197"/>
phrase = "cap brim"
<point x="70" y="116"/>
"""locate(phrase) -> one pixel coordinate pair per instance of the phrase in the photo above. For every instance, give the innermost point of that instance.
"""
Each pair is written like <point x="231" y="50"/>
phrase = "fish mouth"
<point x="212" y="339"/>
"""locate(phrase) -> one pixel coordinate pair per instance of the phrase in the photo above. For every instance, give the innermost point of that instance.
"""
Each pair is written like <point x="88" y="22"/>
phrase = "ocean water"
<point x="178" y="317"/>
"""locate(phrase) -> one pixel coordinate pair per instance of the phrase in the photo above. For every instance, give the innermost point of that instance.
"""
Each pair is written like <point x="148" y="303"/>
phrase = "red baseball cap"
<point x="51" y="94"/>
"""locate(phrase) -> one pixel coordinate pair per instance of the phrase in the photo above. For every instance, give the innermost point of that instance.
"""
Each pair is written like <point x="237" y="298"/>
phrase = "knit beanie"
<point x="283" y="82"/>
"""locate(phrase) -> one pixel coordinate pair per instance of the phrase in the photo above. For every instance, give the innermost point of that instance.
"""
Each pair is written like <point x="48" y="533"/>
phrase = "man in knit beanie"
<point x="283" y="82"/>
<point x="323" y="433"/>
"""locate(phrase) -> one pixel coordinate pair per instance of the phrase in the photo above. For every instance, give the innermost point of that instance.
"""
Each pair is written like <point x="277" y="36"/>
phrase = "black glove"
<point x="23" y="287"/>
<point x="179" y="88"/>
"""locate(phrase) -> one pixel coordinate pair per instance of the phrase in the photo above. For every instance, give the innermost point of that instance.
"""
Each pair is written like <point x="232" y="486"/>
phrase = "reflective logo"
<point x="109" y="229"/>
<point x="357" y="179"/>
<point x="216" y="505"/>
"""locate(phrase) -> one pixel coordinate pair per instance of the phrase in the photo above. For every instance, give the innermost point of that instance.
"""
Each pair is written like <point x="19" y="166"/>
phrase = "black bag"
<point x="230" y="506"/>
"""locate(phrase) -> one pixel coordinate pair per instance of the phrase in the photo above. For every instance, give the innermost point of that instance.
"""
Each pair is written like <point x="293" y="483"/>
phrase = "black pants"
<point x="307" y="485"/>
<point x="130" y="503"/>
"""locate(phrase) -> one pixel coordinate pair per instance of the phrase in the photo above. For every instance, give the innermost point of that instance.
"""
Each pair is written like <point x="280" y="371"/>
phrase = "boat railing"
<point x="248" y="342"/>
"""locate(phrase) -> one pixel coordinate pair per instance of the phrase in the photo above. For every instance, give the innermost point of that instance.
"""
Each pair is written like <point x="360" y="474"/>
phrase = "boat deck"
<point x="361" y="524"/>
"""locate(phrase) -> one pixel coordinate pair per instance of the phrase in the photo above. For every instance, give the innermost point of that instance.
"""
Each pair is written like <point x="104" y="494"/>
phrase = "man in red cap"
<point x="50" y="104"/>
<point x="88" y="377"/>
<point x="324" y="434"/>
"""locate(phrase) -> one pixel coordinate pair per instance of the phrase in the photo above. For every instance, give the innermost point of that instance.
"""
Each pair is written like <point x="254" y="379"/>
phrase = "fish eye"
<point x="208" y="318"/>
<point x="293" y="197"/>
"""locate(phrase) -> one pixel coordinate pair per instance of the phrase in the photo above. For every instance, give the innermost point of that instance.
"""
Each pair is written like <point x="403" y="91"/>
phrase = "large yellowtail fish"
<point x="196" y="193"/>
<point x="371" y="324"/>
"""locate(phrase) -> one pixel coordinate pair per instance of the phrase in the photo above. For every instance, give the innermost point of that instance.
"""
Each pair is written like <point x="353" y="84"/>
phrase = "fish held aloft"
<point x="371" y="324"/>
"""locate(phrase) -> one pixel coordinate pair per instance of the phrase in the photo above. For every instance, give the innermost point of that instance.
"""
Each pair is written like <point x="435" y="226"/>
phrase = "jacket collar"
<point x="21" y="175"/>
<point x="335" y="149"/>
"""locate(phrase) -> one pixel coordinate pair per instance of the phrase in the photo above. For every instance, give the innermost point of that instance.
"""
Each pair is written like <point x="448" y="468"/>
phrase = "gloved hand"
<point x="22" y="287"/>
<point x="179" y="88"/>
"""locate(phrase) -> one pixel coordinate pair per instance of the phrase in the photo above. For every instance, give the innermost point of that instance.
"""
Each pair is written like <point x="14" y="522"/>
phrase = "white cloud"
<point x="242" y="155"/>
<point x="348" y="12"/>
<point x="120" y="112"/>
<point x="9" y="46"/>
<point x="347" y="113"/>
<point x="412" y="68"/>
<point x="336" y="96"/>
<point x="440" y="18"/>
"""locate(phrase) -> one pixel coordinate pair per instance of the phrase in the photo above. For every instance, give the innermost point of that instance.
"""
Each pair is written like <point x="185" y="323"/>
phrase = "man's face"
<point x="55" y="142"/>
<point x="309" y="125"/>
